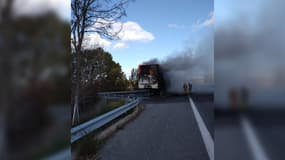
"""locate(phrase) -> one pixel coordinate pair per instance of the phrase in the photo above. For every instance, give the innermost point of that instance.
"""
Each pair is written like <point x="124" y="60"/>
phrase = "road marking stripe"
<point x="208" y="141"/>
<point x="257" y="151"/>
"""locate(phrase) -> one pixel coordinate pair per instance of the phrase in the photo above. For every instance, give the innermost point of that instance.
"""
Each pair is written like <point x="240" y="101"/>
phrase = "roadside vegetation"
<point x="37" y="82"/>
<point x="98" y="73"/>
<point x="102" y="106"/>
<point x="93" y="68"/>
<point x="89" y="147"/>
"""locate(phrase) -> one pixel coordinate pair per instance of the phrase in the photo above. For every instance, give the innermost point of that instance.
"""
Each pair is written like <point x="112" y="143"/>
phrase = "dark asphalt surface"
<point x="230" y="138"/>
<point x="165" y="130"/>
<point x="230" y="142"/>
<point x="206" y="110"/>
<point x="269" y="126"/>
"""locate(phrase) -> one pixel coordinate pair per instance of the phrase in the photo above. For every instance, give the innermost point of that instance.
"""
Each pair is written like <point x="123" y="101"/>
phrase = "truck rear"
<point x="149" y="77"/>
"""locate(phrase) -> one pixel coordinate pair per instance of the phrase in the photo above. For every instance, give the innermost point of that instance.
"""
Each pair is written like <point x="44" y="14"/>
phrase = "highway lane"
<point x="255" y="134"/>
<point x="269" y="127"/>
<point x="166" y="129"/>
<point x="206" y="110"/>
<point x="230" y="142"/>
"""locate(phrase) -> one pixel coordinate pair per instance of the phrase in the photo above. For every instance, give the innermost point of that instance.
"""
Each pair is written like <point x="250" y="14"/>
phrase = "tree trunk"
<point x="76" y="92"/>
<point x="75" y="116"/>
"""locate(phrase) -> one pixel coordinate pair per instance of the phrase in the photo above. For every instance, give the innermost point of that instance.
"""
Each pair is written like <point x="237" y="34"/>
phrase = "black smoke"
<point x="194" y="65"/>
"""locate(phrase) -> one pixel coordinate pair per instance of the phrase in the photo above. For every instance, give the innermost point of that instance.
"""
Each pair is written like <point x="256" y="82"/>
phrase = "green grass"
<point x="110" y="105"/>
<point x="115" y="103"/>
<point x="87" y="147"/>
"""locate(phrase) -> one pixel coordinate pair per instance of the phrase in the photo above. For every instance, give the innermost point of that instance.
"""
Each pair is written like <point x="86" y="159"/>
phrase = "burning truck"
<point x="149" y="76"/>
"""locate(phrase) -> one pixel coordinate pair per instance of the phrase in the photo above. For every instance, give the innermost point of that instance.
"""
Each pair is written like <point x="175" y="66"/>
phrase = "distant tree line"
<point x="133" y="79"/>
<point x="99" y="71"/>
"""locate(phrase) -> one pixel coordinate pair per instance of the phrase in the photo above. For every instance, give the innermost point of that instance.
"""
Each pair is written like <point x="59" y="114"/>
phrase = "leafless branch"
<point x="97" y="16"/>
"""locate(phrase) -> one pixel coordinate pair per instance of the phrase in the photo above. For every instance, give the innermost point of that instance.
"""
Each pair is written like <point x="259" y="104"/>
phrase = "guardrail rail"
<point x="124" y="94"/>
<point x="82" y="130"/>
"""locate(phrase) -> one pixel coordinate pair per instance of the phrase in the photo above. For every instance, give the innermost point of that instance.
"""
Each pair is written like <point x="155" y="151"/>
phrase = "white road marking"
<point x="208" y="141"/>
<point x="257" y="151"/>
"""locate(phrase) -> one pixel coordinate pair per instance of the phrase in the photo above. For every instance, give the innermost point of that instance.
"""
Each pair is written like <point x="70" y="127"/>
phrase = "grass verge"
<point x="89" y="146"/>
<point x="95" y="112"/>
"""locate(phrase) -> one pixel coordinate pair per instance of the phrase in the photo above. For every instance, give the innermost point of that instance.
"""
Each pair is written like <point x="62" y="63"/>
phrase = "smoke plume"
<point x="189" y="65"/>
<point x="249" y="52"/>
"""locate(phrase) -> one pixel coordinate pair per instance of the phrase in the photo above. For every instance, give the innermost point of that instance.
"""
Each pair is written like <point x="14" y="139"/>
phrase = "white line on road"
<point x="254" y="144"/>
<point x="208" y="141"/>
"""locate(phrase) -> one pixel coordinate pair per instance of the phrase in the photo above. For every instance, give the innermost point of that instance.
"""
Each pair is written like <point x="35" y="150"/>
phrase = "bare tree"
<point x="91" y="16"/>
<point x="97" y="16"/>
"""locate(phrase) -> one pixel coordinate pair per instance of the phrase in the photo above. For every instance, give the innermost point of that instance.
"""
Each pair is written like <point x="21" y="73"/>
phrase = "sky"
<point x="160" y="28"/>
<point x="151" y="29"/>
<point x="250" y="34"/>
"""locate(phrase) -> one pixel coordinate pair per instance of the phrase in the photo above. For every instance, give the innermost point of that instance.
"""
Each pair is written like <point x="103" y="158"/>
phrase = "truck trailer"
<point x="149" y="76"/>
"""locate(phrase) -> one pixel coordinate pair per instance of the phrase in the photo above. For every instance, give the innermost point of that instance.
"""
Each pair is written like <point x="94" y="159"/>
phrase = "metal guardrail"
<point x="124" y="94"/>
<point x="82" y="130"/>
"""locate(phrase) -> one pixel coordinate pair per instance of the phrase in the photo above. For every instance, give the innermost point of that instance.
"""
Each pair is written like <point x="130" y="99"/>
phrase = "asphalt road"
<point x="269" y="126"/>
<point x="230" y="142"/>
<point x="250" y="135"/>
<point x="206" y="110"/>
<point x="165" y="130"/>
